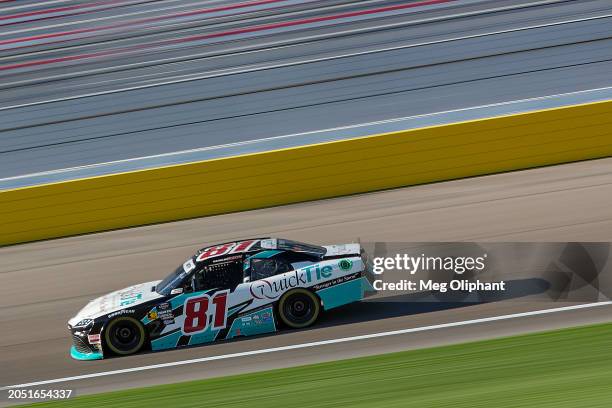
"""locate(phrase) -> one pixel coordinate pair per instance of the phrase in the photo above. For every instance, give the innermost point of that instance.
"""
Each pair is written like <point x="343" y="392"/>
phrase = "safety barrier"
<point x="305" y="173"/>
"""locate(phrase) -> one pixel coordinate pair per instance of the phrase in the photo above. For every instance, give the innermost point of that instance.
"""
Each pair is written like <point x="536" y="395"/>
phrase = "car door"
<point x="200" y="313"/>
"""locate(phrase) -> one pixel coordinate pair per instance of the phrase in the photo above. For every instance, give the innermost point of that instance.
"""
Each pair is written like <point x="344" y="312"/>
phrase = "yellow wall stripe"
<point x="307" y="173"/>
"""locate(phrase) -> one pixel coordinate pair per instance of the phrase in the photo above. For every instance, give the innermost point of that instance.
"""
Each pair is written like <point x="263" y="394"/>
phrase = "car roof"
<point x="252" y="245"/>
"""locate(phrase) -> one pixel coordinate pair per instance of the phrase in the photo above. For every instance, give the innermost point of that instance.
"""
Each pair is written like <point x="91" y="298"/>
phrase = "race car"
<point x="224" y="291"/>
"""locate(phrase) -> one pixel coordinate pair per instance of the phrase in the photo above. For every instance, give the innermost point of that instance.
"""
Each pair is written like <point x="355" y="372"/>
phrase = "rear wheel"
<point x="124" y="335"/>
<point x="299" y="308"/>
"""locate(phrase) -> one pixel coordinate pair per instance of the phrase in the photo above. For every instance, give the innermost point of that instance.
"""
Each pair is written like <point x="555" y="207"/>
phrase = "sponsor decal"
<point x="336" y="281"/>
<point x="121" y="312"/>
<point x="188" y="266"/>
<point x="163" y="311"/>
<point x="228" y="259"/>
<point x="345" y="264"/>
<point x="224" y="249"/>
<point x="130" y="296"/>
<point x="104" y="304"/>
<point x="269" y="243"/>
<point x="94" y="338"/>
<point x="202" y="310"/>
<point x="272" y="288"/>
<point x="84" y="322"/>
<point x="256" y="318"/>
<point x="166" y="316"/>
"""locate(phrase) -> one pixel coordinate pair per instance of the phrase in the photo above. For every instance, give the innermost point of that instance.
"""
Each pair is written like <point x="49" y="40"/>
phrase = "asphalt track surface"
<point x="90" y="82"/>
<point x="213" y="72"/>
<point x="45" y="283"/>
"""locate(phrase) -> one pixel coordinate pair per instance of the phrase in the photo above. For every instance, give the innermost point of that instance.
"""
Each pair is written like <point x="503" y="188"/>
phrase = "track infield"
<point x="563" y="368"/>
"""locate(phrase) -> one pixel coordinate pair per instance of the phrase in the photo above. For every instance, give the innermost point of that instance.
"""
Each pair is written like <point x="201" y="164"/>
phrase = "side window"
<point x="298" y="260"/>
<point x="223" y="276"/>
<point x="265" y="267"/>
<point x="283" y="266"/>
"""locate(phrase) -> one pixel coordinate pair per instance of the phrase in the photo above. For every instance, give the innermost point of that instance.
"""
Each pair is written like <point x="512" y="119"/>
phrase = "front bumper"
<point x="77" y="355"/>
<point x="81" y="348"/>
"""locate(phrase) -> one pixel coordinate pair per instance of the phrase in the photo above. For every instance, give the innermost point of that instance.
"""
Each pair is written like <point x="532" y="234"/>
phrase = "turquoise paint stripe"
<point x="259" y="322"/>
<point x="206" y="336"/>
<point x="145" y="320"/>
<point x="166" y="342"/>
<point x="265" y="254"/>
<point x="179" y="300"/>
<point x="77" y="355"/>
<point x="366" y="286"/>
<point x="341" y="294"/>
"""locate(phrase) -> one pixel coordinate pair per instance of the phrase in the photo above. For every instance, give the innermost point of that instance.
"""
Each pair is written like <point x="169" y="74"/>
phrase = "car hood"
<point x="342" y="249"/>
<point x="120" y="299"/>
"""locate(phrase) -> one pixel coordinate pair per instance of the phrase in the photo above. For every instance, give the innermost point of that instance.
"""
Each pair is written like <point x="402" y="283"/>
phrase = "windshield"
<point x="288" y="245"/>
<point x="175" y="279"/>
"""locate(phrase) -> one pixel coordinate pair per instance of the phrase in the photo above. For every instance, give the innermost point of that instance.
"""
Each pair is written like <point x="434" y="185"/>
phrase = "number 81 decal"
<point x="197" y="310"/>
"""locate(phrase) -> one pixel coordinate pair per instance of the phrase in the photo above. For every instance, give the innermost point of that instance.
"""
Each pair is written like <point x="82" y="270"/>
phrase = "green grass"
<point x="565" y="368"/>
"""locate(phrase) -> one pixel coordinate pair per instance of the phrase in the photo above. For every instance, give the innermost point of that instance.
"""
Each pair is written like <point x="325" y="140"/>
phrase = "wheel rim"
<point x="124" y="336"/>
<point x="299" y="309"/>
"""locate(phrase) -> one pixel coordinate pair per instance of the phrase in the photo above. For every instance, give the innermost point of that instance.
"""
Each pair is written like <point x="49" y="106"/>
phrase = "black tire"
<point x="124" y="335"/>
<point x="299" y="308"/>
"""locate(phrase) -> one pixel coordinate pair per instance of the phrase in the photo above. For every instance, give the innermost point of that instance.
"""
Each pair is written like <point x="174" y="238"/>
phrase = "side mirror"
<point x="176" y="291"/>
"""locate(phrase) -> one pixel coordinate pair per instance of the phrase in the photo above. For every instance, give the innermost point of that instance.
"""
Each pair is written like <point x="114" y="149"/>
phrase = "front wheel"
<point x="299" y="308"/>
<point x="124" y="335"/>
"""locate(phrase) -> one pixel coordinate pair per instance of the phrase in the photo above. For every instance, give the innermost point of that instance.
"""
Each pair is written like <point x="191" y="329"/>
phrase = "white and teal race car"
<point x="224" y="291"/>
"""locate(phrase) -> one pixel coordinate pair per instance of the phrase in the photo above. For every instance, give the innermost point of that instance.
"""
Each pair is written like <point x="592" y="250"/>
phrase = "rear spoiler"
<point x="343" y="250"/>
<point x="367" y="273"/>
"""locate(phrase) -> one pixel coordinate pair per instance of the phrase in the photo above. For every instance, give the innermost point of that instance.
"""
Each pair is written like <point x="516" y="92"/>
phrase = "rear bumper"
<point x="368" y="275"/>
